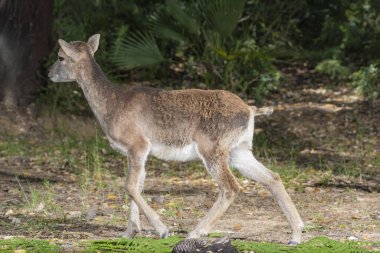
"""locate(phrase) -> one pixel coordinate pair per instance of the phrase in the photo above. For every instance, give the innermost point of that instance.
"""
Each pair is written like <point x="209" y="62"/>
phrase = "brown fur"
<point x="214" y="126"/>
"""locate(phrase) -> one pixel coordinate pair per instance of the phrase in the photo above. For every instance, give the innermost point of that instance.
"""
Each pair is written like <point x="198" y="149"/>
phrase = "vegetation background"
<point x="234" y="45"/>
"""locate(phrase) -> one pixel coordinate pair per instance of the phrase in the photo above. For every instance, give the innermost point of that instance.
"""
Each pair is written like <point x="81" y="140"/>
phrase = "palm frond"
<point x="163" y="26"/>
<point x="222" y="15"/>
<point x="177" y="9"/>
<point x="139" y="49"/>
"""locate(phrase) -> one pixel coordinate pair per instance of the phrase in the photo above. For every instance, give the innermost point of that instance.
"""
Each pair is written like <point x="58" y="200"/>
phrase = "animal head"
<point x="71" y="57"/>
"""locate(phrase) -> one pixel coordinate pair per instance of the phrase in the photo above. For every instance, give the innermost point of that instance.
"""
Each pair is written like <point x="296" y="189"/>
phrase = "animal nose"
<point x="52" y="76"/>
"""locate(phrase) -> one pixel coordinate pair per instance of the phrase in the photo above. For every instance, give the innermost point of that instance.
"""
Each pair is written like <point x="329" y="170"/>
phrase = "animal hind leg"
<point x="243" y="160"/>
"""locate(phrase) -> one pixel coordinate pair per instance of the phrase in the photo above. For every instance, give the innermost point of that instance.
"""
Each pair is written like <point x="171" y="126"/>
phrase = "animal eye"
<point x="61" y="58"/>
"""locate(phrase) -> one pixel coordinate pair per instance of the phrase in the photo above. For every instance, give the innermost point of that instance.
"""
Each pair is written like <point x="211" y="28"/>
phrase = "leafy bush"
<point x="196" y="40"/>
<point x="343" y="29"/>
<point x="333" y="69"/>
<point x="229" y="44"/>
<point x="367" y="81"/>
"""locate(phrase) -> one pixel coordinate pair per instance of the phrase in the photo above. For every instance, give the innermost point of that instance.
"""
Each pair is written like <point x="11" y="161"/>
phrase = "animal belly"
<point x="168" y="153"/>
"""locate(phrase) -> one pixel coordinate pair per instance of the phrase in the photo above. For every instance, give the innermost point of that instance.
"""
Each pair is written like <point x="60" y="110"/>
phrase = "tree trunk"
<point x="25" y="31"/>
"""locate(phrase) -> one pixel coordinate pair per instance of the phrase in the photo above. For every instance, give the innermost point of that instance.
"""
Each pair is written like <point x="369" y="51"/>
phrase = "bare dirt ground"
<point x="316" y="128"/>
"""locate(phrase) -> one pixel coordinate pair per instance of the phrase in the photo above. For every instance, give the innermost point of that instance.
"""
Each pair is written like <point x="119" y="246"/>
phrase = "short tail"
<point x="263" y="111"/>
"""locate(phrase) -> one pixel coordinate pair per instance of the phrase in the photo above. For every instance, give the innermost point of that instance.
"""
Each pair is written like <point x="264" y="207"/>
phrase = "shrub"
<point x="196" y="40"/>
<point x="333" y="69"/>
<point x="367" y="81"/>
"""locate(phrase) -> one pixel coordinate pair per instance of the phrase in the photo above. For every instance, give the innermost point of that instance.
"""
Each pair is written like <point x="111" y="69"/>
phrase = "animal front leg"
<point x="136" y="166"/>
<point x="133" y="226"/>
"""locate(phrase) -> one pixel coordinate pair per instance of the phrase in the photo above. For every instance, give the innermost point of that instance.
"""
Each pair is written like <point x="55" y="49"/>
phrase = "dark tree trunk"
<point x="25" y="31"/>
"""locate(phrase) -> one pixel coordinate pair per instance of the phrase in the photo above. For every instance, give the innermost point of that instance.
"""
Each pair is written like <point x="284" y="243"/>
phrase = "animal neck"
<point x="97" y="89"/>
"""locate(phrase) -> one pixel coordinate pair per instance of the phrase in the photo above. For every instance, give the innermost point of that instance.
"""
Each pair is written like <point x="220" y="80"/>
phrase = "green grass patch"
<point x="142" y="245"/>
<point x="28" y="246"/>
<point x="137" y="245"/>
<point x="14" y="145"/>
<point x="150" y="245"/>
<point x="318" y="244"/>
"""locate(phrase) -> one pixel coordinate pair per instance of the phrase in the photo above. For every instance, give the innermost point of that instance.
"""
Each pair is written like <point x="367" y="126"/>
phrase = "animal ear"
<point x="93" y="42"/>
<point x="69" y="50"/>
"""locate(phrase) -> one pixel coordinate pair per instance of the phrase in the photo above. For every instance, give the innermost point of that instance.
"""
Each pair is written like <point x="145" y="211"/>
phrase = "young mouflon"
<point x="213" y="126"/>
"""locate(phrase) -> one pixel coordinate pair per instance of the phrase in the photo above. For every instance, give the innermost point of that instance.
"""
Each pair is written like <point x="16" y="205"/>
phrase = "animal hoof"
<point x="129" y="234"/>
<point x="164" y="234"/>
<point x="293" y="243"/>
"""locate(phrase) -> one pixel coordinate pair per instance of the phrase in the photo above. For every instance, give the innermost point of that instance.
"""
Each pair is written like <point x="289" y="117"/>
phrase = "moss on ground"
<point x="137" y="245"/>
<point x="27" y="246"/>
<point x="315" y="245"/>
<point x="150" y="245"/>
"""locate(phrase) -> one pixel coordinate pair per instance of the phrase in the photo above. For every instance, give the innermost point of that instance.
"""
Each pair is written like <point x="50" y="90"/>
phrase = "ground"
<point x="60" y="181"/>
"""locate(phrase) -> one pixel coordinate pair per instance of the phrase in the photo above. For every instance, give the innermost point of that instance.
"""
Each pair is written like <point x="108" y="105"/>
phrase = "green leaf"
<point x="176" y="9"/>
<point x="222" y="15"/>
<point x="139" y="49"/>
<point x="164" y="26"/>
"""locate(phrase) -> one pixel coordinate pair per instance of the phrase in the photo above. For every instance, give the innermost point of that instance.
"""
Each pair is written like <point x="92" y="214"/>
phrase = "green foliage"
<point x="142" y="245"/>
<point x="30" y="246"/>
<point x="177" y="10"/>
<point x="341" y="29"/>
<point x="63" y="97"/>
<point x="222" y="16"/>
<point x="367" y="81"/>
<point x="318" y="244"/>
<point x="274" y="22"/>
<point x="229" y="44"/>
<point x="200" y="31"/>
<point x="137" y="245"/>
<point x="333" y="69"/>
<point x="139" y="49"/>
<point x="78" y="20"/>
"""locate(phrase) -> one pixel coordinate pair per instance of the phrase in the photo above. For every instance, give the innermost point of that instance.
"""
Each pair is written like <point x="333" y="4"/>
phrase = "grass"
<point x="27" y="246"/>
<point x="318" y="244"/>
<point x="86" y="157"/>
<point x="174" y="209"/>
<point x="11" y="145"/>
<point x="38" y="200"/>
<point x="149" y="245"/>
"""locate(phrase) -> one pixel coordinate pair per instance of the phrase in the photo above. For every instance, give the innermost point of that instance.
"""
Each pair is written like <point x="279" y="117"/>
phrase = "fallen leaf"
<point x="40" y="207"/>
<point x="100" y="218"/>
<point x="263" y="194"/>
<point x="237" y="227"/>
<point x="111" y="196"/>
<point x="154" y="205"/>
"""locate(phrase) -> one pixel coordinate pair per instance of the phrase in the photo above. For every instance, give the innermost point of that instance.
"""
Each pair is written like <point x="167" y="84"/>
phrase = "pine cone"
<point x="188" y="245"/>
<point x="222" y="245"/>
